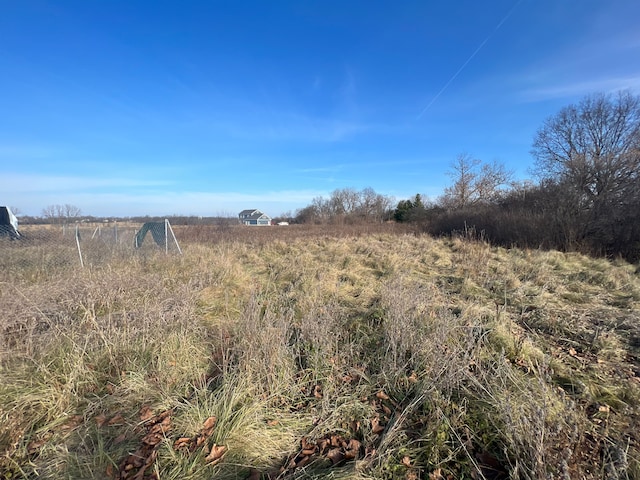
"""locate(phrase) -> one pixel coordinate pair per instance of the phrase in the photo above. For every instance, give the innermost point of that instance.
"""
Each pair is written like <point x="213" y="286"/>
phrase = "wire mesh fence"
<point x="48" y="248"/>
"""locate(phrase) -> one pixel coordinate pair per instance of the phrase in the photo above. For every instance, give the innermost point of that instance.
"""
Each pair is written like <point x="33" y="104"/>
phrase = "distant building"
<point x="254" y="217"/>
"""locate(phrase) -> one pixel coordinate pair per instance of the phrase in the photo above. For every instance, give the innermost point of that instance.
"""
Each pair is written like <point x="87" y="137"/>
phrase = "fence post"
<point x="78" y="244"/>
<point x="175" y="240"/>
<point x="166" y="237"/>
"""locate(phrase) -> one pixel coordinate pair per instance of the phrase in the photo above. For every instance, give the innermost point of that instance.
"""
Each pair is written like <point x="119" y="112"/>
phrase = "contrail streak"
<point x="433" y="100"/>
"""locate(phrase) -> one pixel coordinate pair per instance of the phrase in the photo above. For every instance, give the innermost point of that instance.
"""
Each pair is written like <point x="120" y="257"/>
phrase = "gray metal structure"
<point x="8" y="224"/>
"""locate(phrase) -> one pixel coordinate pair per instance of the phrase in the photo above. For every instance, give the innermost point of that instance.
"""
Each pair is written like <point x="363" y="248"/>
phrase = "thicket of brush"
<point x="357" y="356"/>
<point x="587" y="198"/>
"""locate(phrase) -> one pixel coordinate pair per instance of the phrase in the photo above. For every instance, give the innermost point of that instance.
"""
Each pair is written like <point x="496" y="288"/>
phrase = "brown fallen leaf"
<point x="382" y="396"/>
<point x="209" y="423"/>
<point x="317" y="391"/>
<point x="119" y="439"/>
<point x="72" y="423"/>
<point x="335" y="455"/>
<point x="216" y="455"/>
<point x="101" y="419"/>
<point x="376" y="427"/>
<point x="436" y="474"/>
<point x="200" y="440"/>
<point x="148" y="462"/>
<point x="353" y="449"/>
<point x="161" y="427"/>
<point x="166" y="421"/>
<point x="323" y="444"/>
<point x="182" y="443"/>
<point x="406" y="461"/>
<point x="145" y="413"/>
<point x="152" y="438"/>
<point x="355" y="426"/>
<point x="272" y="423"/>
<point x="308" y="447"/>
<point x="291" y="465"/>
<point x="118" y="419"/>
<point x="163" y="415"/>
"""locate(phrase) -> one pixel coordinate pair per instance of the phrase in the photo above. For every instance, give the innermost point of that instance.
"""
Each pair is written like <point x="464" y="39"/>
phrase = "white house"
<point x="254" y="217"/>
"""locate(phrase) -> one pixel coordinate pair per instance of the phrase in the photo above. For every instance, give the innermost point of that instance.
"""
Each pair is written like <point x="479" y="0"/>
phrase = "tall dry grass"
<point x="429" y="358"/>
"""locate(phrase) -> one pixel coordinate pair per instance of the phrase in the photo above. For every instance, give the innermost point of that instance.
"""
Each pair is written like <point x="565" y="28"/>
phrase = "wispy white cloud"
<point x="160" y="202"/>
<point x="24" y="183"/>
<point x="592" y="63"/>
<point x="577" y="87"/>
<point x="129" y="197"/>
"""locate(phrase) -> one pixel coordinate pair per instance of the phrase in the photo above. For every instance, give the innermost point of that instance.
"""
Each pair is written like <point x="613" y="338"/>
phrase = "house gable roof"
<point x="252" y="214"/>
<point x="248" y="212"/>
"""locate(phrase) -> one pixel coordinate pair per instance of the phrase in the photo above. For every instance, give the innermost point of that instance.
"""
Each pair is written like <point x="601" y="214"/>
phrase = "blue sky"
<point x="131" y="107"/>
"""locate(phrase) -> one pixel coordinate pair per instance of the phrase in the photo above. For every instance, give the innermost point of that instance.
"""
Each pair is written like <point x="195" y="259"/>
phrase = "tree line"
<point x="347" y="206"/>
<point x="585" y="196"/>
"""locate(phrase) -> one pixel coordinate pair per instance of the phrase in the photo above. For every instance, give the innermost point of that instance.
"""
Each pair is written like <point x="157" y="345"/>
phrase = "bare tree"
<point x="474" y="182"/>
<point x="70" y="211"/>
<point x="374" y="206"/>
<point x="343" y="203"/>
<point x="592" y="150"/>
<point x="61" y="213"/>
<point x="463" y="175"/>
<point x="594" y="145"/>
<point x="49" y="212"/>
<point x="347" y="205"/>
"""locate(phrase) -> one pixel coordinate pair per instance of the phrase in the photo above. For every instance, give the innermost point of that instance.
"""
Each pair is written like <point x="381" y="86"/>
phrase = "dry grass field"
<point x="324" y="352"/>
